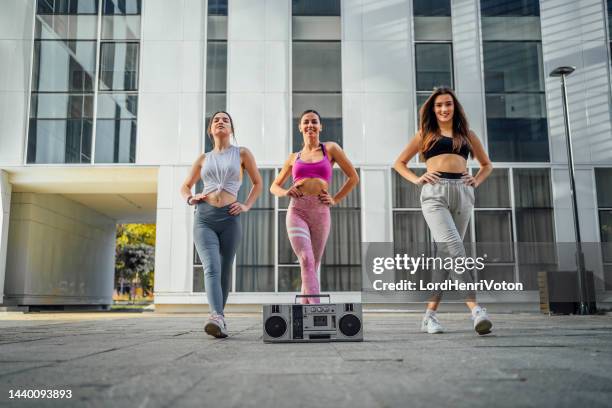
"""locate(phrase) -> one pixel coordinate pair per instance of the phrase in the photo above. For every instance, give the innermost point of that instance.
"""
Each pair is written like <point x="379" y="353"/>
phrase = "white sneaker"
<point x="431" y="324"/>
<point x="482" y="323"/>
<point x="216" y="326"/>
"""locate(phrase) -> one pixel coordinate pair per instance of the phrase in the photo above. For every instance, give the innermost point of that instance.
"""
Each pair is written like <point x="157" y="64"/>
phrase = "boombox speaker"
<point x="312" y="322"/>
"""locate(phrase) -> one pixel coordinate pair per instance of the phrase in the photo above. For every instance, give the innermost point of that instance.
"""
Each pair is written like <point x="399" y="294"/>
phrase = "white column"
<point x="467" y="63"/>
<point x="258" y="77"/>
<point x="5" y="208"/>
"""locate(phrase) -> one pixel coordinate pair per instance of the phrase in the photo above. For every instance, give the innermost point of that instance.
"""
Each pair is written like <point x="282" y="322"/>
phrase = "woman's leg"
<point x="229" y="239"/>
<point x="320" y="224"/>
<point x="300" y="238"/>
<point x="207" y="245"/>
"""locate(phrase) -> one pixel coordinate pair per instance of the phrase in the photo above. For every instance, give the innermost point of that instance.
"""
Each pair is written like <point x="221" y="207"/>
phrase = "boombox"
<point x="312" y="322"/>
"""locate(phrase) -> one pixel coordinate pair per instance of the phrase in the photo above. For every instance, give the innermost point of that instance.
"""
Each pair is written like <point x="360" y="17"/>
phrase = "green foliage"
<point x="135" y="255"/>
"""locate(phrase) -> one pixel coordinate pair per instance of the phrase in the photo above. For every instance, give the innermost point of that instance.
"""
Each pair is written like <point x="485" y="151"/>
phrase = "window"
<point x="603" y="181"/>
<point x="433" y="48"/>
<point x="609" y="3"/>
<point x="316" y="66"/>
<point x="534" y="224"/>
<point x="65" y="96"/>
<point x="514" y="82"/>
<point x="216" y="62"/>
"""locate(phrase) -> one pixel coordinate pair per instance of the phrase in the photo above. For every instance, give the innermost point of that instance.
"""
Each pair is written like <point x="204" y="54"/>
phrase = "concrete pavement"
<point x="163" y="360"/>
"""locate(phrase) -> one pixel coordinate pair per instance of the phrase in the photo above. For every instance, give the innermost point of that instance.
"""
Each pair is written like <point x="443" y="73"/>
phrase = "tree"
<point x="135" y="255"/>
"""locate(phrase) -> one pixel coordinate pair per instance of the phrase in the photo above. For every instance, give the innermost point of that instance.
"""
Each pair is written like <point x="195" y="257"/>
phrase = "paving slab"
<point x="166" y="360"/>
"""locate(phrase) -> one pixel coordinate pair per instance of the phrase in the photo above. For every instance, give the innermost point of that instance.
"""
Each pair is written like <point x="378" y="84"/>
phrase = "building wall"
<point x="59" y="252"/>
<point x="16" y="29"/>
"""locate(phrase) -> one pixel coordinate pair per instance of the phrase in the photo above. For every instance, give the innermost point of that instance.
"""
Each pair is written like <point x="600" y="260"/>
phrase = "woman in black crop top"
<point x="447" y="195"/>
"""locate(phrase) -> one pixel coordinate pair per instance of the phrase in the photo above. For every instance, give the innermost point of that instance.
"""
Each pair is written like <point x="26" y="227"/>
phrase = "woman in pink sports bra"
<point x="308" y="216"/>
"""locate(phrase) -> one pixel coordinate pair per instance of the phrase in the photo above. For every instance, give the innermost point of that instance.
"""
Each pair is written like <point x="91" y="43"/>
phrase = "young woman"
<point x="216" y="230"/>
<point x="447" y="197"/>
<point x="308" y="216"/>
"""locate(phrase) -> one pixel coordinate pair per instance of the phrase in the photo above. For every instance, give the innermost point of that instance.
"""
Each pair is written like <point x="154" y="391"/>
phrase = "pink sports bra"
<point x="321" y="169"/>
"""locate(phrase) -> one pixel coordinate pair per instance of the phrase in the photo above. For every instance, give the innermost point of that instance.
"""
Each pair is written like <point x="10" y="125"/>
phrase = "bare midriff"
<point x="220" y="198"/>
<point x="312" y="186"/>
<point x="447" y="162"/>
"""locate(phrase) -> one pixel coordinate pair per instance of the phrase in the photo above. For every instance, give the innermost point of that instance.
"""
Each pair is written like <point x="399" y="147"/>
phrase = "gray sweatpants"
<point x="216" y="234"/>
<point x="447" y="208"/>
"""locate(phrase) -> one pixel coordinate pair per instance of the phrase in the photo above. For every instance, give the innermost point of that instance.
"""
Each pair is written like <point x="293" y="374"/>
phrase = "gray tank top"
<point x="221" y="171"/>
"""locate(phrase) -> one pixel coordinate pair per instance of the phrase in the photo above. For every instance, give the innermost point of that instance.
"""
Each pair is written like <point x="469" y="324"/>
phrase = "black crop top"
<point x="444" y="145"/>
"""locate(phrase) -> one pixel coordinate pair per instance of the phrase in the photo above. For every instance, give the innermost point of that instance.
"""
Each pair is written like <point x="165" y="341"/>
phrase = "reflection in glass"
<point x="431" y="8"/>
<point x="317" y="66"/>
<point x="61" y="106"/>
<point x="315" y="8"/>
<point x="120" y="27"/>
<point x="289" y="279"/>
<point x="494" y="235"/>
<point x="115" y="141"/>
<point x="519" y="8"/>
<point x="66" y="27"/>
<point x="433" y="66"/>
<point x="603" y="182"/>
<point x="64" y="66"/>
<point x="216" y="66"/>
<point x="121" y="7"/>
<point x="119" y="66"/>
<point x="117" y="106"/>
<point x="67" y="7"/>
<point x="59" y="141"/>
<point x="513" y="66"/>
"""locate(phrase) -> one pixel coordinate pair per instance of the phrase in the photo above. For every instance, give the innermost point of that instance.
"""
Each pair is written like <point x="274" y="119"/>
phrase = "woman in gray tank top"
<point x="216" y="230"/>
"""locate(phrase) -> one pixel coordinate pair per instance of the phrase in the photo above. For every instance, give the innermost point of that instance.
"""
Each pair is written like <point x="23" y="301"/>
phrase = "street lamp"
<point x="585" y="304"/>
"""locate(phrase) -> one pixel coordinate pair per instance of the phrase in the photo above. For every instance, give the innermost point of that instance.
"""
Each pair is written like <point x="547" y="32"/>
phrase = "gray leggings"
<point x="447" y="208"/>
<point x="216" y="234"/>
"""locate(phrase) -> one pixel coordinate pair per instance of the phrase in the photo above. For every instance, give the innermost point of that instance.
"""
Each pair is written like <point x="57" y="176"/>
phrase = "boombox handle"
<point x="312" y="296"/>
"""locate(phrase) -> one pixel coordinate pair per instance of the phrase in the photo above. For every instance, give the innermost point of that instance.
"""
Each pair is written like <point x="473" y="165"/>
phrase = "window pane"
<point x="532" y="188"/>
<point x="60" y="27"/>
<point x="605" y="228"/>
<point x="497" y="273"/>
<point x="115" y="141"/>
<point x="317" y="67"/>
<point x="120" y="27"/>
<point x="405" y="193"/>
<point x="216" y="66"/>
<point x="117" y="106"/>
<point x="315" y="8"/>
<point x="119" y="66"/>
<point x="59" y="141"/>
<point x="289" y="279"/>
<point x="285" y="252"/>
<point x="217" y="28"/>
<point x="432" y="8"/>
<point x="343" y="249"/>
<point x="61" y="106"/>
<point x="433" y="66"/>
<point x="264" y="200"/>
<point x="495" y="191"/>
<point x="316" y="28"/>
<point x="217" y="7"/>
<point x="121" y="7"/>
<point x="64" y="66"/>
<point x="494" y="235"/>
<point x="340" y="278"/>
<point x="67" y="7"/>
<point x="510" y="8"/>
<point x="433" y="29"/>
<point x="513" y="66"/>
<point x="329" y="107"/>
<point x="198" y="279"/>
<point x="511" y="29"/>
<point x="256" y="254"/>
<point x="603" y="181"/>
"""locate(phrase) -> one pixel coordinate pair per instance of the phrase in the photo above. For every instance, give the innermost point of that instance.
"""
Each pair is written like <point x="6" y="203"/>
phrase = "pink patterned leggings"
<point x="308" y="223"/>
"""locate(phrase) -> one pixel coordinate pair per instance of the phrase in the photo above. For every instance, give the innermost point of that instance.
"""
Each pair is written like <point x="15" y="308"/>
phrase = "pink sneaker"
<point x="216" y="327"/>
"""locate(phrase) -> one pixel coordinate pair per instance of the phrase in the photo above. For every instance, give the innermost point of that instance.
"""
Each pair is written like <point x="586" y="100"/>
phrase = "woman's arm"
<point x="486" y="167"/>
<point x="337" y="154"/>
<point x="401" y="163"/>
<point x="192" y="177"/>
<point x="277" y="185"/>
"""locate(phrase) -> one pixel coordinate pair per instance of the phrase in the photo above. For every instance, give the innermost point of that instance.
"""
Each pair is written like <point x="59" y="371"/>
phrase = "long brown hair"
<point x="429" y="128"/>
<point x="210" y="121"/>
